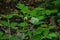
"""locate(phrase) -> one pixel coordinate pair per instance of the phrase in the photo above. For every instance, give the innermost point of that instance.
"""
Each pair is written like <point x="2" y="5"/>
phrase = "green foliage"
<point x="49" y="12"/>
<point x="59" y="35"/>
<point x="58" y="14"/>
<point x="29" y="33"/>
<point x="22" y="31"/>
<point x="37" y="37"/>
<point x="13" y="24"/>
<point x="20" y="6"/>
<point x="58" y="21"/>
<point x="1" y="33"/>
<point x="46" y="33"/>
<point x="3" y="36"/>
<point x="56" y="2"/>
<point x="52" y="27"/>
<point x="52" y="35"/>
<point x="23" y="24"/>
<point x="25" y="9"/>
<point x="9" y="15"/>
<point x="14" y="37"/>
<point x="5" y="23"/>
<point x="36" y="17"/>
<point x="39" y="30"/>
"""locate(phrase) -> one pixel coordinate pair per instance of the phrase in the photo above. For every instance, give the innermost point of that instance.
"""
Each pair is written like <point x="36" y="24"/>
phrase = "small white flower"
<point x="34" y="20"/>
<point x="25" y="18"/>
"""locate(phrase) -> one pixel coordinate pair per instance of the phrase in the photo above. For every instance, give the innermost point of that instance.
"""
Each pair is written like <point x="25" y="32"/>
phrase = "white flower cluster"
<point x="34" y="20"/>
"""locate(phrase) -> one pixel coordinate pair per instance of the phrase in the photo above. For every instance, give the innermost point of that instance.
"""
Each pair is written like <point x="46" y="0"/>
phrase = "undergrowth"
<point x="32" y="24"/>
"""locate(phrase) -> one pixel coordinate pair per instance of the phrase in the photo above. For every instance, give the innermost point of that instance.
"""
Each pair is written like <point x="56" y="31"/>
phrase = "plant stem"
<point x="9" y="30"/>
<point x="23" y="35"/>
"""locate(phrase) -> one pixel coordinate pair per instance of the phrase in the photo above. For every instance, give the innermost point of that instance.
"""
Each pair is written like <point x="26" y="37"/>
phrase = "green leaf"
<point x="48" y="12"/>
<point x="21" y="16"/>
<point x="41" y="22"/>
<point x="51" y="35"/>
<point x="58" y="14"/>
<point x="0" y="14"/>
<point x="1" y="33"/>
<point x="59" y="35"/>
<point x="9" y="16"/>
<point x="5" y="36"/>
<point x="19" y="30"/>
<point x="41" y="17"/>
<point x="39" y="30"/>
<point x="33" y="13"/>
<point x="20" y="6"/>
<point x="29" y="33"/>
<point x="14" y="37"/>
<point x="51" y="27"/>
<point x="54" y="11"/>
<point x="38" y="8"/>
<point x="46" y="32"/>
<point x="13" y="24"/>
<point x="37" y="37"/>
<point x="43" y="25"/>
<point x="4" y="23"/>
<point x="56" y="2"/>
<point x="58" y="21"/>
<point x="25" y="9"/>
<point x="23" y="24"/>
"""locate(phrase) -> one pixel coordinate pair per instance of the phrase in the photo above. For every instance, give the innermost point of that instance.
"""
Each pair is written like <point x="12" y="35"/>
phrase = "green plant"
<point x="36" y="17"/>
